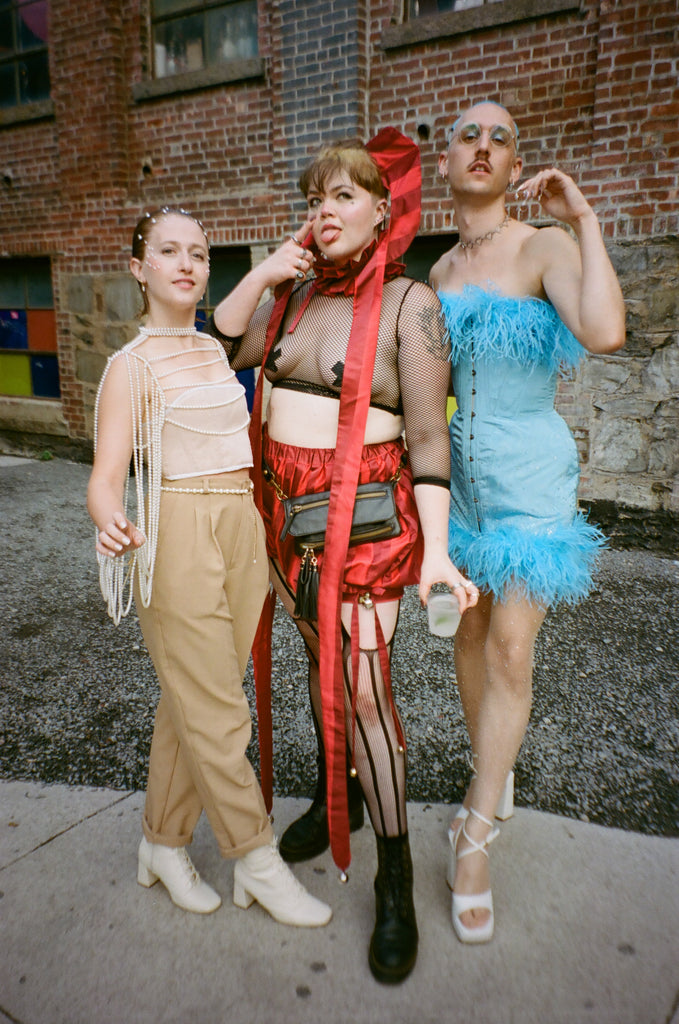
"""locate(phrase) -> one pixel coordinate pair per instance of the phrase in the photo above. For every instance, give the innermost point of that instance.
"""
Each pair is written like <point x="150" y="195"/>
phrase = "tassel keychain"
<point x="306" y="599"/>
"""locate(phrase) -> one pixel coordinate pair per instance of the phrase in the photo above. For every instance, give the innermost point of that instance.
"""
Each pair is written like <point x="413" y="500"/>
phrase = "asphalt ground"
<point x="587" y="916"/>
<point x="78" y="694"/>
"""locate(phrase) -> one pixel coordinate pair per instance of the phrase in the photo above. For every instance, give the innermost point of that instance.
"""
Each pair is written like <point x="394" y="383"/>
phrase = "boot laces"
<point x="191" y="875"/>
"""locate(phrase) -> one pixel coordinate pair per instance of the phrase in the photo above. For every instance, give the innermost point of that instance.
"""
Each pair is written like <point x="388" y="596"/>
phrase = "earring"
<point x="142" y="285"/>
<point x="511" y="187"/>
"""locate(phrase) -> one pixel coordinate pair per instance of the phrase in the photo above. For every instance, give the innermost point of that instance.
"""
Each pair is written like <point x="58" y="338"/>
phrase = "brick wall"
<point x="593" y="86"/>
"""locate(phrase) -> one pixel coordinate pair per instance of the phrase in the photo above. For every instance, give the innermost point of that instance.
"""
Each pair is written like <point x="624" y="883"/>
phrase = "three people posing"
<point x="356" y="355"/>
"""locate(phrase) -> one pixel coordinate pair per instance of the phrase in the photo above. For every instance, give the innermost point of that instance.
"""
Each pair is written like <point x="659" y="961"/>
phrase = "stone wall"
<point x="624" y="409"/>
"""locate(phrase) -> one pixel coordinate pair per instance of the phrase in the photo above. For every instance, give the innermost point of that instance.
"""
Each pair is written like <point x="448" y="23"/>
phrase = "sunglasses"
<point x="500" y="135"/>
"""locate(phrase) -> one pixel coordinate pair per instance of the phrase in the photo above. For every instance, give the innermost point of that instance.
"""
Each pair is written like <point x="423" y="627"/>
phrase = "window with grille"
<point x="29" y="366"/>
<point x="24" y="71"/>
<point x="190" y="36"/>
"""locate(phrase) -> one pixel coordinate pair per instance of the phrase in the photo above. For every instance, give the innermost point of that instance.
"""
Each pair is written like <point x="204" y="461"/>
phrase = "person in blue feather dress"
<point x="522" y="305"/>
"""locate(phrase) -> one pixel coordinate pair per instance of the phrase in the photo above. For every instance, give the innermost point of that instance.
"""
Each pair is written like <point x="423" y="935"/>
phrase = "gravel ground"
<point x="78" y="695"/>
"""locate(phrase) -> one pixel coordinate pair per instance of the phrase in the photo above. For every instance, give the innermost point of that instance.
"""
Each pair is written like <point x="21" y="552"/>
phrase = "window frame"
<point x="34" y="107"/>
<point x="427" y="27"/>
<point x="229" y="70"/>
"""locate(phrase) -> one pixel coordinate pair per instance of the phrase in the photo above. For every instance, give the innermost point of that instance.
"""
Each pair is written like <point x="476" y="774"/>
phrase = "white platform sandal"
<point x="505" y="810"/>
<point x="475" y="901"/>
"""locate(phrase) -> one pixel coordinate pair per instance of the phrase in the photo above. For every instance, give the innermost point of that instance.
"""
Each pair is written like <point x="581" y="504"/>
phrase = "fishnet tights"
<point x="380" y="767"/>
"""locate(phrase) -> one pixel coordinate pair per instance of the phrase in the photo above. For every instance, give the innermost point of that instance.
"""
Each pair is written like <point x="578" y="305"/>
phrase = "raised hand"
<point x="557" y="194"/>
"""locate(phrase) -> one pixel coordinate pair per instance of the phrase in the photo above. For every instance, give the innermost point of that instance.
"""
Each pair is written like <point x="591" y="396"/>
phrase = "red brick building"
<point x="107" y="108"/>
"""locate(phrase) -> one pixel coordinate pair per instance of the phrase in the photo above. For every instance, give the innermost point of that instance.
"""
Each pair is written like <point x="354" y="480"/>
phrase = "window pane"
<point x="420" y="8"/>
<point x="42" y="330"/>
<point x="227" y="267"/>
<point x="45" y="376"/>
<point x="34" y="79"/>
<point x="39" y="281"/>
<point x="161" y="8"/>
<point x="232" y="32"/>
<point x="8" y="90"/>
<point x="15" y="374"/>
<point x="6" y="31"/>
<point x="178" y="46"/>
<point x="32" y="25"/>
<point x="13" y="330"/>
<point x="12" y="284"/>
<point x="424" y="252"/>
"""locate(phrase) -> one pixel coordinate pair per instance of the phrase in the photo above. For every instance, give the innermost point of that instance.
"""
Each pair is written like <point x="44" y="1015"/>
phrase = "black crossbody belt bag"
<point x="374" y="517"/>
<point x="306" y="515"/>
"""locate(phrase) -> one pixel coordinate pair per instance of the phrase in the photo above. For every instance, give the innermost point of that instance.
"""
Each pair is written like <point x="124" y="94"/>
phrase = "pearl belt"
<point x="246" y="487"/>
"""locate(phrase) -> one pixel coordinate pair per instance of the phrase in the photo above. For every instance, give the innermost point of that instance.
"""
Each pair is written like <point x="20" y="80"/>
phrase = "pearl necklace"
<point x="484" y="238"/>
<point x="169" y="332"/>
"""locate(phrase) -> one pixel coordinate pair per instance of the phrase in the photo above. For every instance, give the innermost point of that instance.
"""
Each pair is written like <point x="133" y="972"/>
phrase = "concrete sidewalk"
<point x="587" y="927"/>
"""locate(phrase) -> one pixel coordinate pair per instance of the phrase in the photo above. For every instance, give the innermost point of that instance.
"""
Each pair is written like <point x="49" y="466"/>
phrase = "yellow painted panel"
<point x="15" y="374"/>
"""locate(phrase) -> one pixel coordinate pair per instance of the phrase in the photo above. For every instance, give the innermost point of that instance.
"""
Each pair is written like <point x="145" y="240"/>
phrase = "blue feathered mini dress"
<point x="514" y="524"/>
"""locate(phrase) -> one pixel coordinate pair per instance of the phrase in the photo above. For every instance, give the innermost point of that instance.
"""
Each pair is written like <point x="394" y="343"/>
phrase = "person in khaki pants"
<point x="196" y="563"/>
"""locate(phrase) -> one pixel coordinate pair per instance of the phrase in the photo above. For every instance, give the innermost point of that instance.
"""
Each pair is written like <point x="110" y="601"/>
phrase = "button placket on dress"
<point x="472" y="414"/>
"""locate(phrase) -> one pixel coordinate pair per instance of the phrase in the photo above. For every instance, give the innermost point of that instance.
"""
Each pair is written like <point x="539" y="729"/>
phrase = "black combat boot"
<point x="308" y="836"/>
<point x="393" y="946"/>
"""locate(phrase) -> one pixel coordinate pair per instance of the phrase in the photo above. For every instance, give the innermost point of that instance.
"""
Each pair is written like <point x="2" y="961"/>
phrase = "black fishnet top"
<point x="412" y="369"/>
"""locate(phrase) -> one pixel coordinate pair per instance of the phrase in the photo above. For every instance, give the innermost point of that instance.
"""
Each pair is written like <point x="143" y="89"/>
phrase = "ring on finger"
<point x="300" y="275"/>
<point x="459" y="586"/>
<point x="294" y="238"/>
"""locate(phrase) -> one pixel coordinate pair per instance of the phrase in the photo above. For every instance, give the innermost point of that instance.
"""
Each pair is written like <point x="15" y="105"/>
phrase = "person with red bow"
<point x="356" y="354"/>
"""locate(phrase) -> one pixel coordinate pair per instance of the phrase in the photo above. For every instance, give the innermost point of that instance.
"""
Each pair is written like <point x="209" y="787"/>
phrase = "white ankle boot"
<point x="263" y="875"/>
<point x="173" y="866"/>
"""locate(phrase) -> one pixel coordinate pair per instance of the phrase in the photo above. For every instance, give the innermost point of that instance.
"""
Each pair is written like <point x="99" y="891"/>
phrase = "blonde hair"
<point x="349" y="156"/>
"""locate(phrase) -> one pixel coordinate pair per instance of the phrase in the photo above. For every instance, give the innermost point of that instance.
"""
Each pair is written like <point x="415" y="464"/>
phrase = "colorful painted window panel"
<point x="45" y="376"/>
<point x="13" y="329"/>
<point x="42" y="330"/>
<point x="15" y="374"/>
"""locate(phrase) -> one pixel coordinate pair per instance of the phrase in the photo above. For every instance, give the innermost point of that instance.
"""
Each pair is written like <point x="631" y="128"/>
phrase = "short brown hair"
<point x="350" y="156"/>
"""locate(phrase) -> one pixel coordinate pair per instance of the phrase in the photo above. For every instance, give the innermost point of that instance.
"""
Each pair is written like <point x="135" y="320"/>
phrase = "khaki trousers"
<point x="209" y="583"/>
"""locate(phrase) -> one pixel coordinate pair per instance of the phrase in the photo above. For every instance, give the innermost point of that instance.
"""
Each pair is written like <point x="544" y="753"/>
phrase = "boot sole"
<point x="390" y="976"/>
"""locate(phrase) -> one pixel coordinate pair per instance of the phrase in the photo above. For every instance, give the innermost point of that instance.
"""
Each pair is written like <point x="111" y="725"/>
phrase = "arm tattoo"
<point x="434" y="331"/>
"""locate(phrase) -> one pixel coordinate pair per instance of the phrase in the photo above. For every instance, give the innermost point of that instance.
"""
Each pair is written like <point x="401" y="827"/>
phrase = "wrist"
<point x="584" y="219"/>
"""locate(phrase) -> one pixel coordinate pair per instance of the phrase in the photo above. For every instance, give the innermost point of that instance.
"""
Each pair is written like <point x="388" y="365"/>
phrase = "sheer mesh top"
<point x="412" y="370"/>
<point x="206" y="419"/>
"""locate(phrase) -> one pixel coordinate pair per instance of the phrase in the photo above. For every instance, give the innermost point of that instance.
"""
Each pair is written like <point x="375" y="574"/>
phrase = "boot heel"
<point x="505" y="807"/>
<point x="145" y="877"/>
<point x="241" y="897"/>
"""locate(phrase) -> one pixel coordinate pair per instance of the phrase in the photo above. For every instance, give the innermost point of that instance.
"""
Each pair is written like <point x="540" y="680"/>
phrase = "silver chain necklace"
<point x="484" y="238"/>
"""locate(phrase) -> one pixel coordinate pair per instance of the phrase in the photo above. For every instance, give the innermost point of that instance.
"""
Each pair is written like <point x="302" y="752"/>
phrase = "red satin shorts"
<point x="382" y="568"/>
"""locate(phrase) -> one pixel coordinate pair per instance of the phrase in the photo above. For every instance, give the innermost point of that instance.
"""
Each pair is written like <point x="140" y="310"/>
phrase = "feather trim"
<point x="548" y="567"/>
<point x="527" y="330"/>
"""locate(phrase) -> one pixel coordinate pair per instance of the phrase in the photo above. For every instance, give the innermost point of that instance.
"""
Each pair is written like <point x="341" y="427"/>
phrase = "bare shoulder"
<point x="549" y="243"/>
<point x="438" y="273"/>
